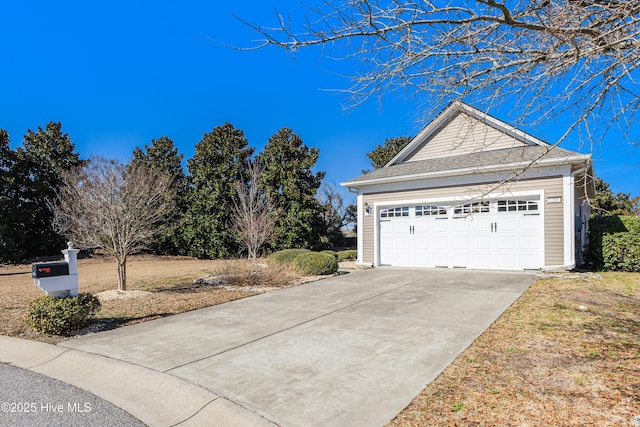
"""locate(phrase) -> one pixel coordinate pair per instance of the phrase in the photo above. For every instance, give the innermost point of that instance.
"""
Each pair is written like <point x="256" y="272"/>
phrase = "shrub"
<point x="348" y="255"/>
<point x="621" y="252"/>
<point x="330" y="252"/>
<point x="286" y="256"/>
<point x="316" y="263"/>
<point x="58" y="316"/>
<point x="601" y="226"/>
<point x="253" y="273"/>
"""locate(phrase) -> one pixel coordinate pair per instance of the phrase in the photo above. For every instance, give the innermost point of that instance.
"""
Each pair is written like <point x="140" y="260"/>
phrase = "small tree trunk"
<point x="122" y="274"/>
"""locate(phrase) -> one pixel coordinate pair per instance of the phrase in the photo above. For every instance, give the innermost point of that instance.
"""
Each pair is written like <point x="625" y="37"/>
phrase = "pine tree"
<point x="220" y="161"/>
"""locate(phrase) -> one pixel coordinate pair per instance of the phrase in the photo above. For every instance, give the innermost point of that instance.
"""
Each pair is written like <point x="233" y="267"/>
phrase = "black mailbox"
<point x="49" y="269"/>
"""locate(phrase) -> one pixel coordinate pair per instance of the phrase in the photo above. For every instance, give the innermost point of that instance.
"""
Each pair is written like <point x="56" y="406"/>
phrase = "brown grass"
<point x="546" y="362"/>
<point x="170" y="281"/>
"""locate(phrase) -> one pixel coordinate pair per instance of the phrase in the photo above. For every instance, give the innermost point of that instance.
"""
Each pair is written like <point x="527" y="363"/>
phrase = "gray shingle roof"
<point x="477" y="161"/>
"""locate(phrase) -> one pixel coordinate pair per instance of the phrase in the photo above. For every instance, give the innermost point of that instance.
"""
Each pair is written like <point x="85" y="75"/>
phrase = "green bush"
<point x="621" y="252"/>
<point x="316" y="263"/>
<point x="286" y="256"/>
<point x="601" y="226"/>
<point x="347" y="255"/>
<point x="58" y="316"/>
<point x="330" y="252"/>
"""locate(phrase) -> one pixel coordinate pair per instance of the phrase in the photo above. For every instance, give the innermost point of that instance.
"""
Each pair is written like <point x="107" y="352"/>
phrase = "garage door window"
<point x="471" y="208"/>
<point x="517" y="205"/>
<point x="395" y="212"/>
<point x="431" y="210"/>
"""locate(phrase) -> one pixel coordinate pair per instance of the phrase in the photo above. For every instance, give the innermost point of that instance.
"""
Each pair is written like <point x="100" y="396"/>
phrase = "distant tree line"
<point x="311" y="214"/>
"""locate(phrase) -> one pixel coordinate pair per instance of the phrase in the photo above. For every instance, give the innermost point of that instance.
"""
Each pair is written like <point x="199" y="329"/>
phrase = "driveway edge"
<point x="155" y="398"/>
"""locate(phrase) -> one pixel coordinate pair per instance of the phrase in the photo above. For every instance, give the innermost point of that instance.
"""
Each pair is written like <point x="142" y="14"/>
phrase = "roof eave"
<point x="469" y="171"/>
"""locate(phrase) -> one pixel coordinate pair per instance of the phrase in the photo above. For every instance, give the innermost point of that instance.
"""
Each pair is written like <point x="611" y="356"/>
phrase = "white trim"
<point x="376" y="235"/>
<point x="548" y="172"/>
<point x="360" y="228"/>
<point x="469" y="171"/>
<point x="569" y="219"/>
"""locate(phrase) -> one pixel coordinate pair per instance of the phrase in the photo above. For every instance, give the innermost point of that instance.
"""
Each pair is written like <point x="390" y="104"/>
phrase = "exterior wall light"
<point x="367" y="209"/>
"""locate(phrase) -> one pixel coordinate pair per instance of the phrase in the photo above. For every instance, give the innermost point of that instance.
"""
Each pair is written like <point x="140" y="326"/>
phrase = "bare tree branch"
<point x="118" y="208"/>
<point x="255" y="213"/>
<point x="544" y="57"/>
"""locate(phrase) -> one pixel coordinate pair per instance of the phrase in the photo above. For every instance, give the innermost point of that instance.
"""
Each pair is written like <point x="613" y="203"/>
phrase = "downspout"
<point x="585" y="222"/>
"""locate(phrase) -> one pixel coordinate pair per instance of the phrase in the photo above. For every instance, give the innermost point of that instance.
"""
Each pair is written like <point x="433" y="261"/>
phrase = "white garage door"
<point x="497" y="234"/>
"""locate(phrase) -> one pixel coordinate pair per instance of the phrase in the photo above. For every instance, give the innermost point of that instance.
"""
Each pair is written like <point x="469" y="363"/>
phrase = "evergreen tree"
<point x="9" y="233"/>
<point x="37" y="173"/>
<point x="162" y="155"/>
<point x="290" y="181"/>
<point x="220" y="161"/>
<point x="607" y="203"/>
<point x="382" y="154"/>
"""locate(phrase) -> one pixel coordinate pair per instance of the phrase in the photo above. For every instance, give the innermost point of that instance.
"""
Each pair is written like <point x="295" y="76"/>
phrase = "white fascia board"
<point x="465" y="180"/>
<point x="468" y="171"/>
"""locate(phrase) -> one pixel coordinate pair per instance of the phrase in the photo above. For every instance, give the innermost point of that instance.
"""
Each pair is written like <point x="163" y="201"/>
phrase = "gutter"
<point x="466" y="171"/>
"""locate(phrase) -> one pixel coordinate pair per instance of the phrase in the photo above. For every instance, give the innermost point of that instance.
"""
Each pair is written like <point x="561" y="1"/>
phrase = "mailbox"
<point x="58" y="279"/>
<point x="49" y="269"/>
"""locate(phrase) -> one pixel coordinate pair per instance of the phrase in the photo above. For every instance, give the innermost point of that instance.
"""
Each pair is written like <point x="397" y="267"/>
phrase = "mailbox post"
<point x="58" y="279"/>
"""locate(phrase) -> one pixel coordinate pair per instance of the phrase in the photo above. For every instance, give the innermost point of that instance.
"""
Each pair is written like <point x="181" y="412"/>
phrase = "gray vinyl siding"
<point x="464" y="134"/>
<point x="553" y="213"/>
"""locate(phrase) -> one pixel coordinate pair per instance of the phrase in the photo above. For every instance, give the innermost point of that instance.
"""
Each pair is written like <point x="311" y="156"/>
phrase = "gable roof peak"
<point x="449" y="114"/>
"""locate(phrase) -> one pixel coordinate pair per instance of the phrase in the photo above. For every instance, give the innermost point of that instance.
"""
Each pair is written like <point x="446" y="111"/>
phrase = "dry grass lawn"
<point x="547" y="362"/>
<point x="169" y="282"/>
<point x="565" y="354"/>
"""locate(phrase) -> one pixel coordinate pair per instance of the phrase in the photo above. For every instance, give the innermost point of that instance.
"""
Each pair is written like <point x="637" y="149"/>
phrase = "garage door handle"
<point x="492" y="227"/>
<point x="495" y="227"/>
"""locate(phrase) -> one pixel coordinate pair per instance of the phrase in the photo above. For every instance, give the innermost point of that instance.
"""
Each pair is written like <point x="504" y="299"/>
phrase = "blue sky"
<point x="118" y="74"/>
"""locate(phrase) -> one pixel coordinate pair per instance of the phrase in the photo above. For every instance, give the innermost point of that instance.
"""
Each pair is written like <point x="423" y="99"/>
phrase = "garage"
<point x="496" y="234"/>
<point x="471" y="191"/>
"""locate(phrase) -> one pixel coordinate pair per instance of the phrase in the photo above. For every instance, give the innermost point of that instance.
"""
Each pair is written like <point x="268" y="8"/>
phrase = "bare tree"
<point x="333" y="212"/>
<point x="118" y="208"/>
<point x="255" y="213"/>
<point x="543" y="58"/>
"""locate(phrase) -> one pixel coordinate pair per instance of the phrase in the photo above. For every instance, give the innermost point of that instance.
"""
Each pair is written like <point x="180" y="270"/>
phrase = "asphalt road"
<point x="29" y="399"/>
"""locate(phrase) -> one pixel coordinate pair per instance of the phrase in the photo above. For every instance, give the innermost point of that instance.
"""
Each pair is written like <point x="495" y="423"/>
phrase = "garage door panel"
<point x="481" y="243"/>
<point x="506" y="260"/>
<point x="440" y="225"/>
<point x="461" y="242"/>
<point x="506" y="242"/>
<point x="502" y="236"/>
<point x="529" y="243"/>
<point x="506" y="224"/>
<point x="460" y="225"/>
<point x="529" y="223"/>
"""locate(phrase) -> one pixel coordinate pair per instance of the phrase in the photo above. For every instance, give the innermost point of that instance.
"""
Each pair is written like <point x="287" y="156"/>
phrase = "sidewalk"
<point x="155" y="398"/>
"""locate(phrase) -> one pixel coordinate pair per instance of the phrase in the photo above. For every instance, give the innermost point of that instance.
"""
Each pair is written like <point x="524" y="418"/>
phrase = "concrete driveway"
<point x="353" y="350"/>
